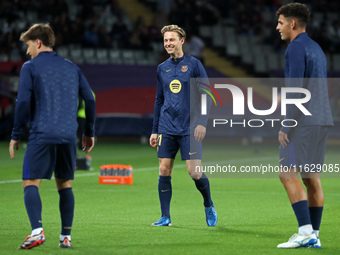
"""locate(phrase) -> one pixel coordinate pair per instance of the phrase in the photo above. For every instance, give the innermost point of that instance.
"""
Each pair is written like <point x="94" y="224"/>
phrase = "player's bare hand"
<point x="87" y="143"/>
<point x="13" y="144"/>
<point x="283" y="139"/>
<point x="199" y="133"/>
<point x="153" y="140"/>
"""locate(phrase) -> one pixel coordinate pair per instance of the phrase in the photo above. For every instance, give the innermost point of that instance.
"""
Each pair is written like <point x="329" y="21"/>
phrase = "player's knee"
<point x="283" y="176"/>
<point x="306" y="182"/>
<point x="164" y="170"/>
<point x="63" y="184"/>
<point x="195" y="175"/>
<point x="288" y="175"/>
<point x="29" y="182"/>
<point x="285" y="179"/>
<point x="312" y="183"/>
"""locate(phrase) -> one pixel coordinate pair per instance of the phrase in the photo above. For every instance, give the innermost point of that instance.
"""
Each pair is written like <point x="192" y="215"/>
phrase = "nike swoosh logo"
<point x="281" y="160"/>
<point x="192" y="153"/>
<point x="168" y="70"/>
<point x="302" y="242"/>
<point x="165" y="190"/>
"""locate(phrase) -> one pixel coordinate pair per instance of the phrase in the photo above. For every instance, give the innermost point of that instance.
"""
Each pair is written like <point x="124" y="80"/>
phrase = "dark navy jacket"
<point x="48" y="93"/>
<point x="178" y="101"/>
<point x="306" y="67"/>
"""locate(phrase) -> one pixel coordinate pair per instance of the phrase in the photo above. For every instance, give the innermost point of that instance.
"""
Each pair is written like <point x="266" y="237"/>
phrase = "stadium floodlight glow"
<point x="239" y="101"/>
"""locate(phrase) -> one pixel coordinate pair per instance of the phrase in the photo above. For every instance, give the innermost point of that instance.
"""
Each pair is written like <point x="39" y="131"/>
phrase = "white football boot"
<point x="297" y="241"/>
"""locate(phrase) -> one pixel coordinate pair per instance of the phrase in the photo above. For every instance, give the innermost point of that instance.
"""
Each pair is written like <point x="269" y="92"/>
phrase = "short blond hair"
<point x="174" y="28"/>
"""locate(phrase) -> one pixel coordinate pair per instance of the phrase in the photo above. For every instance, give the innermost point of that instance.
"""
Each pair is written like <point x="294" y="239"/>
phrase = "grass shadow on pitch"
<point x="235" y="231"/>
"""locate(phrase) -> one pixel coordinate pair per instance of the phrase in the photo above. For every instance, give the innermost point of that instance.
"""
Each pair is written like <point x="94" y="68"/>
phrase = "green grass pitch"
<point x="254" y="213"/>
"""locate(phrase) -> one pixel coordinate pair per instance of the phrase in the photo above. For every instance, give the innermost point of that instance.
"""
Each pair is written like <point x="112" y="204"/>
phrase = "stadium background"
<point x="118" y="46"/>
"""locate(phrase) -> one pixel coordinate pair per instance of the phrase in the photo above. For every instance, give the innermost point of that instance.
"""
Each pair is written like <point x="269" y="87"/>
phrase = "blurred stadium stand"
<point x="118" y="45"/>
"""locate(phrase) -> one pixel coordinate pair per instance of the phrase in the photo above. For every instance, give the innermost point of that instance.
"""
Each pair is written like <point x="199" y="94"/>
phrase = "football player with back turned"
<point x="48" y="94"/>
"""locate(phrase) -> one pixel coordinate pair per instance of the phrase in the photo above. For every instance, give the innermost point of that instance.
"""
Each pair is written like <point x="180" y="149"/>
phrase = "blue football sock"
<point x="315" y="216"/>
<point x="302" y="212"/>
<point x="66" y="207"/>
<point x="202" y="184"/>
<point x="33" y="205"/>
<point x="165" y="193"/>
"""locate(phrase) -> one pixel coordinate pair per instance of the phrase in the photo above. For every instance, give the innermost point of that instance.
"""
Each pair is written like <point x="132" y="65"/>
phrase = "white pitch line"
<point x="145" y="169"/>
<point x="10" y="181"/>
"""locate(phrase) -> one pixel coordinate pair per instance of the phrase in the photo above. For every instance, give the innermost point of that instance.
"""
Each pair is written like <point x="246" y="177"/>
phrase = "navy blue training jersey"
<point x="48" y="93"/>
<point x="306" y="67"/>
<point x="178" y="100"/>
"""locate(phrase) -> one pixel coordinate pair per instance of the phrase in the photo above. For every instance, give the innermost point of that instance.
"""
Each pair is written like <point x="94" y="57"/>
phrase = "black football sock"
<point x="33" y="205"/>
<point x="202" y="184"/>
<point x="315" y="217"/>
<point x="165" y="193"/>
<point x="66" y="207"/>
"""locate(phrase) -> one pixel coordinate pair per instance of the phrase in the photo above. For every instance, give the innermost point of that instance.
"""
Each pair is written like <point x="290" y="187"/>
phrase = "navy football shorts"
<point x="41" y="160"/>
<point x="168" y="146"/>
<point x="306" y="149"/>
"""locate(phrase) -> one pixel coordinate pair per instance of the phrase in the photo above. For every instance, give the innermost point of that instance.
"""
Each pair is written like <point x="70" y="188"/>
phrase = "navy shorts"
<point x="307" y="147"/>
<point x="41" y="160"/>
<point x="168" y="146"/>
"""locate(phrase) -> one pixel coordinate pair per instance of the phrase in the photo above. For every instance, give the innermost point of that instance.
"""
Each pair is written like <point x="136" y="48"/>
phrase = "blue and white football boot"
<point x="164" y="221"/>
<point x="297" y="241"/>
<point x="211" y="216"/>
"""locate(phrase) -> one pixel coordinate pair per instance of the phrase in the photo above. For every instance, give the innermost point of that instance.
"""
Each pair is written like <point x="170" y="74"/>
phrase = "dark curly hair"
<point x="295" y="10"/>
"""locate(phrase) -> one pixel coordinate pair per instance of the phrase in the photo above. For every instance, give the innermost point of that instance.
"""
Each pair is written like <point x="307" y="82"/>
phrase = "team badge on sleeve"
<point x="184" y="68"/>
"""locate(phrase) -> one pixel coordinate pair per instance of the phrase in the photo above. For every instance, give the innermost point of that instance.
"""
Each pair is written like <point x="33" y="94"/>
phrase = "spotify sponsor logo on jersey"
<point x="175" y="86"/>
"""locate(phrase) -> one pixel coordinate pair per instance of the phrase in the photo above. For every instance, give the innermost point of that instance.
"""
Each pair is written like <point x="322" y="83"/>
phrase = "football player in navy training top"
<point x="48" y="94"/>
<point x="175" y="120"/>
<point x="303" y="147"/>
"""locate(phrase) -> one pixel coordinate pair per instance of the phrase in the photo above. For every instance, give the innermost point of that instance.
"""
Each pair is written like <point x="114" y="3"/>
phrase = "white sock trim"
<point x="306" y="230"/>
<point x="62" y="237"/>
<point x="36" y="231"/>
